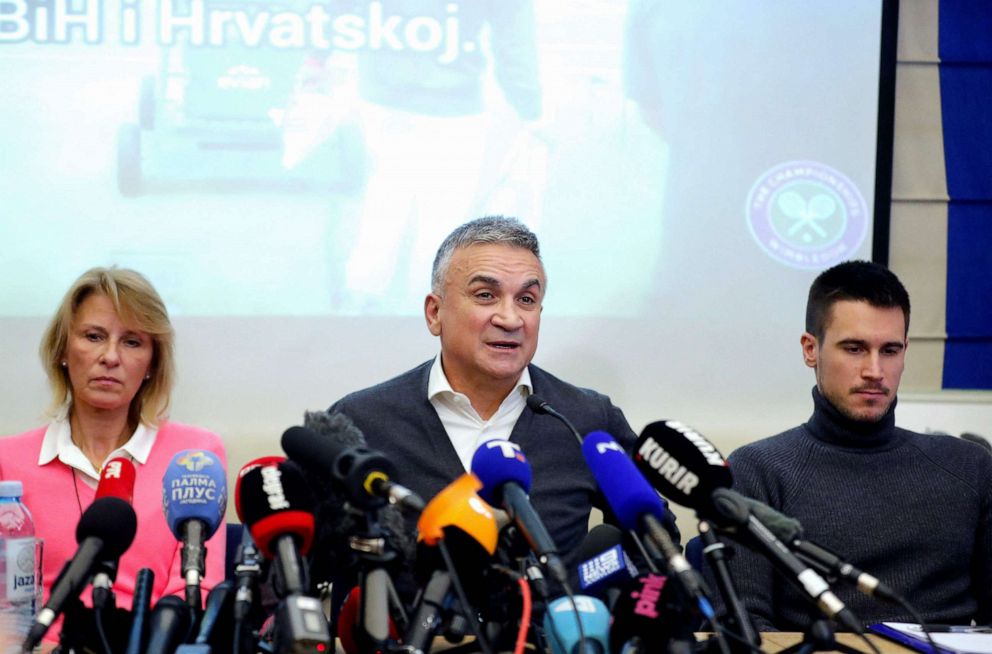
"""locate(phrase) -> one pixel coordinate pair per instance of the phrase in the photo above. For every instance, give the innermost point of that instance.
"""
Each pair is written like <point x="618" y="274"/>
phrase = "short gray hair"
<point x="498" y="230"/>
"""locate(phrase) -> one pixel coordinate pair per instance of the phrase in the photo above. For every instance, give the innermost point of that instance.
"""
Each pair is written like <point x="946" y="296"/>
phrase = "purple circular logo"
<point x="807" y="215"/>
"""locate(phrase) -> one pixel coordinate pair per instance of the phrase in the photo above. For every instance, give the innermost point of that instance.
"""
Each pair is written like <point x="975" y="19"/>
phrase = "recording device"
<point x="538" y="405"/>
<point x="506" y="479"/>
<point x="140" y="608"/>
<point x="686" y="467"/>
<point x="116" y="480"/>
<point x="366" y="474"/>
<point x="638" y="507"/>
<point x="194" y="493"/>
<point x="105" y="530"/>
<point x="277" y="507"/>
<point x="561" y="625"/>
<point x="170" y="625"/>
<point x="301" y="627"/>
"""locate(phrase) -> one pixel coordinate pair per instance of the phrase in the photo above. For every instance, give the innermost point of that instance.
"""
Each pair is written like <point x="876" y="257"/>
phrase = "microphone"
<point x="686" y="467"/>
<point x="219" y="601"/>
<point x="277" y="507"/>
<point x="349" y="618"/>
<point x="366" y="474"/>
<point x="105" y="530"/>
<point x="680" y="464"/>
<point x="561" y="625"/>
<point x="194" y="493"/>
<point x="538" y="405"/>
<point x="170" y="625"/>
<point x="649" y="616"/>
<point x="506" y="478"/>
<point x="456" y="513"/>
<point x="245" y="469"/>
<point x="604" y="565"/>
<point x="116" y="480"/>
<point x="637" y="505"/>
<point x="140" y="607"/>
<point x="790" y="531"/>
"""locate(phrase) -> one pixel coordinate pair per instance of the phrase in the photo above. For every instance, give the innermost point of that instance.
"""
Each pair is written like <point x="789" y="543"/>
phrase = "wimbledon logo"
<point x="807" y="215"/>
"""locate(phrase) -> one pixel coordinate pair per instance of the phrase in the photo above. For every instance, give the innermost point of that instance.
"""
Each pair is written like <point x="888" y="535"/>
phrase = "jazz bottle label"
<point x="20" y="569"/>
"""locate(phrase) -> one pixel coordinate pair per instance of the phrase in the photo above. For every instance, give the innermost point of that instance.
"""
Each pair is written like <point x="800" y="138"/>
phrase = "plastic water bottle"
<point x="17" y="564"/>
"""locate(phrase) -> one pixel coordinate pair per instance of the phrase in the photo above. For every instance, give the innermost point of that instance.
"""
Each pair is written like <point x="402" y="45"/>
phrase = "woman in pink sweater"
<point x="108" y="353"/>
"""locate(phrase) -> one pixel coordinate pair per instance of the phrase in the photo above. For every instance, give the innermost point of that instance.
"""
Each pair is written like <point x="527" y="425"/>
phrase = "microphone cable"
<point x="525" y="612"/>
<point x="463" y="598"/>
<point x="100" y="631"/>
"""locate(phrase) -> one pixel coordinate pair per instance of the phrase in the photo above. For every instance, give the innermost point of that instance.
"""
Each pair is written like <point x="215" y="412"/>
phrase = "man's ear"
<point x="810" y="349"/>
<point x="432" y="313"/>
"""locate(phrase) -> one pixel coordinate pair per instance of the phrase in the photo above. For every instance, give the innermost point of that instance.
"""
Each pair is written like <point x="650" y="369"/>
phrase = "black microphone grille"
<point x="113" y="521"/>
<point x="537" y="404"/>
<point x="336" y="426"/>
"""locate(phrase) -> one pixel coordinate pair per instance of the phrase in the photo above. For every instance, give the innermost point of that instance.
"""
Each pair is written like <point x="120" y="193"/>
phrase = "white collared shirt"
<point x="465" y="428"/>
<point x="57" y="443"/>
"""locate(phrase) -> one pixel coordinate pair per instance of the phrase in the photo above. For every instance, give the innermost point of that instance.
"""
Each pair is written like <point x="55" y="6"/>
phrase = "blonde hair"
<point x="139" y="307"/>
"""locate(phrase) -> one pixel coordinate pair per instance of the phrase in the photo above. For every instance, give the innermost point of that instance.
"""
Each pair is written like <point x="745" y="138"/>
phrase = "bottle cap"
<point x="11" y="489"/>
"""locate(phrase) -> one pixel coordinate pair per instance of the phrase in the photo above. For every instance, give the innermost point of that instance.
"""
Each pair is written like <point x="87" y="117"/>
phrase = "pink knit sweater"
<point x="49" y="495"/>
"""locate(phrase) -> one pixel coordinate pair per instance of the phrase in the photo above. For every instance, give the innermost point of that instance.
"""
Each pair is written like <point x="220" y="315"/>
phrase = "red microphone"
<point x="277" y="506"/>
<point x="117" y="480"/>
<point x="254" y="464"/>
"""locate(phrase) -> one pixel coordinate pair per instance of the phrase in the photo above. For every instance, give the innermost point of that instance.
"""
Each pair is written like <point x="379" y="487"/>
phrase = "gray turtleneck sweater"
<point x="914" y="510"/>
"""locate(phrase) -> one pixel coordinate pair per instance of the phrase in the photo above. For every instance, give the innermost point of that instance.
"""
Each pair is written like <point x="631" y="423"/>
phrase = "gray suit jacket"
<point x="399" y="421"/>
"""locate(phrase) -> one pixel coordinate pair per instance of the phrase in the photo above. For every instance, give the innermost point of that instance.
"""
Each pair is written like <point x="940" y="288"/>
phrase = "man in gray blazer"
<point x="487" y="290"/>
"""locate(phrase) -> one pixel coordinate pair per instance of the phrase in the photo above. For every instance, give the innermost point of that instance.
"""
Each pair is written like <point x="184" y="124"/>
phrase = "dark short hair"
<point x="861" y="281"/>
<point x="499" y="230"/>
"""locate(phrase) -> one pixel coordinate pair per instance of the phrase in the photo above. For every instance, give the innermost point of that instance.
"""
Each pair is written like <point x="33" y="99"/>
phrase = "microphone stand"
<point x="374" y="582"/>
<point x="737" y="620"/>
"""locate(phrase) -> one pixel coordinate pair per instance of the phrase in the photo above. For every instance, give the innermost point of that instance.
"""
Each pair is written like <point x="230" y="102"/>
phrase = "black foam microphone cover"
<point x="681" y="464"/>
<point x="599" y="539"/>
<point x="113" y="521"/>
<point x="169" y="625"/>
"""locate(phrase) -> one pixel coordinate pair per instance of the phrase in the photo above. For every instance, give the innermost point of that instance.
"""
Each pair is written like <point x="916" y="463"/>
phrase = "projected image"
<point x="287" y="157"/>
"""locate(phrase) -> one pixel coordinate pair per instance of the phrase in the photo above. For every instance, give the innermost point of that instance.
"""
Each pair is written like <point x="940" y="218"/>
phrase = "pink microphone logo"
<point x="648" y="595"/>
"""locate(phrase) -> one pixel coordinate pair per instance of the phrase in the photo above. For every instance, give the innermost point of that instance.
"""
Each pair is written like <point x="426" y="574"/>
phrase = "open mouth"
<point x="503" y="345"/>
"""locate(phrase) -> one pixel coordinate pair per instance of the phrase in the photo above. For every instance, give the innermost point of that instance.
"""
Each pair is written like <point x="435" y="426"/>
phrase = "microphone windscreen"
<point x="624" y="487"/>
<point x="169" y="625"/>
<point x="681" y="464"/>
<point x="561" y="625"/>
<point x="649" y="612"/>
<point x="498" y="462"/>
<point x="117" y="480"/>
<point x="336" y="427"/>
<point x="245" y="469"/>
<point x="113" y="521"/>
<point x="603" y="562"/>
<point x="276" y="501"/>
<point x="599" y="539"/>
<point x="194" y="488"/>
<point x="459" y="505"/>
